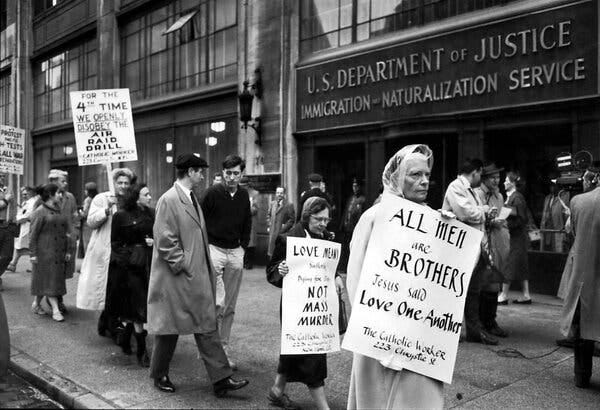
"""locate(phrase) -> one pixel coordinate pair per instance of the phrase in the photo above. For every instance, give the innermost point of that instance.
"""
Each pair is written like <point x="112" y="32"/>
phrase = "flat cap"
<point x="186" y="161"/>
<point x="315" y="178"/>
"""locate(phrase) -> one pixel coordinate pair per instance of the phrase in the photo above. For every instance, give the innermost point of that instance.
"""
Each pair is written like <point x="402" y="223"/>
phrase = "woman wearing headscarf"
<point x="310" y="369"/>
<point x="373" y="385"/>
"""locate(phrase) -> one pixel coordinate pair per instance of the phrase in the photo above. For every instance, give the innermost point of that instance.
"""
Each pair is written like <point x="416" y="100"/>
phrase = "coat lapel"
<point x="188" y="206"/>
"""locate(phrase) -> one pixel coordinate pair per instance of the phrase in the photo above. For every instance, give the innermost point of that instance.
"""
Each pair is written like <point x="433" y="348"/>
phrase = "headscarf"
<point x="395" y="170"/>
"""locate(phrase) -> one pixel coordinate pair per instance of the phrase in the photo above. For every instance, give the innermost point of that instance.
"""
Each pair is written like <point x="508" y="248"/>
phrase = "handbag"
<point x="343" y="316"/>
<point x="138" y="258"/>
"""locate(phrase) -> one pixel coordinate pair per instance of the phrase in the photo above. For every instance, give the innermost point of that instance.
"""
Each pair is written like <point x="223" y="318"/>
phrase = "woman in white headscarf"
<point x="373" y="385"/>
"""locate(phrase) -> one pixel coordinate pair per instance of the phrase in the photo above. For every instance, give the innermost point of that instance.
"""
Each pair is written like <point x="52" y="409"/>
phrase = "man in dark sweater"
<point x="226" y="208"/>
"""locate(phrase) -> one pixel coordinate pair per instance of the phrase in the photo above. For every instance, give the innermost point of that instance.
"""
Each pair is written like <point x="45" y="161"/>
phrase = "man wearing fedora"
<point x="498" y="246"/>
<point x="181" y="293"/>
<point x="461" y="199"/>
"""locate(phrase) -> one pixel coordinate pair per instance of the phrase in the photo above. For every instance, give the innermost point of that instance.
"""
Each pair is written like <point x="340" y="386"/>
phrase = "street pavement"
<point x="81" y="369"/>
<point x="19" y="394"/>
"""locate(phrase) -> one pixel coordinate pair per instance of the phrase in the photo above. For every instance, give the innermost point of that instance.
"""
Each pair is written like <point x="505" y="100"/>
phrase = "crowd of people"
<point x="177" y="269"/>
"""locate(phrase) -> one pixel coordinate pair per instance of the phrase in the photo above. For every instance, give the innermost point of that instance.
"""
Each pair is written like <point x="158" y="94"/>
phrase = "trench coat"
<point x="181" y="292"/>
<point x="584" y="282"/>
<point x="498" y="235"/>
<point x="23" y="218"/>
<point x="91" y="289"/>
<point x="50" y="241"/>
<point x="281" y="219"/>
<point x="371" y="384"/>
<point x="517" y="264"/>
<point x="554" y="216"/>
<point x="68" y="208"/>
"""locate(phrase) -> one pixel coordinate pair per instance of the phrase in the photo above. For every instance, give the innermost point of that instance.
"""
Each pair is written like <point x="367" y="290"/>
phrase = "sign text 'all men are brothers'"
<point x="310" y="307"/>
<point x="12" y="149"/>
<point x="528" y="58"/>
<point x="103" y="126"/>
<point x="408" y="309"/>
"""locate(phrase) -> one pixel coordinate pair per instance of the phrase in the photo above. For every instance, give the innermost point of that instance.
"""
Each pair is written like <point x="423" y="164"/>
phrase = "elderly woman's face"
<point x="317" y="223"/>
<point x="122" y="184"/>
<point x="416" y="181"/>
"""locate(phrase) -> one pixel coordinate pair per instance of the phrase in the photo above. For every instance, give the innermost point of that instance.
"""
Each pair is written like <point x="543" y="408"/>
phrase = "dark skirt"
<point x="517" y="264"/>
<point x="127" y="291"/>
<point x="310" y="369"/>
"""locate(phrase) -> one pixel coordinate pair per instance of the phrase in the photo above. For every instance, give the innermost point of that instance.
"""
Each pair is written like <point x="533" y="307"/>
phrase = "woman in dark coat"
<point x="310" y="369"/>
<point x="131" y="241"/>
<point x="49" y="242"/>
<point x="517" y="265"/>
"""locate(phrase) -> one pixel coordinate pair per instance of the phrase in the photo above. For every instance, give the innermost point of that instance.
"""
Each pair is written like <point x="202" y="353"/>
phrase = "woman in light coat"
<point x="23" y="218"/>
<point x="93" y="281"/>
<point x="372" y="385"/>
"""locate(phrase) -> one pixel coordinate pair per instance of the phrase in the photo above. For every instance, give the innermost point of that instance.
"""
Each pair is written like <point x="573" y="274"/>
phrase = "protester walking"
<point x="93" y="283"/>
<point x="280" y="217"/>
<point x="496" y="252"/>
<point x="517" y="265"/>
<point x="226" y="208"/>
<point x="310" y="369"/>
<point x="91" y="190"/>
<point x="23" y="219"/>
<point x="181" y="294"/>
<point x="462" y="200"/>
<point x="50" y="243"/>
<point x="131" y="242"/>
<point x="581" y="313"/>
<point x="373" y="385"/>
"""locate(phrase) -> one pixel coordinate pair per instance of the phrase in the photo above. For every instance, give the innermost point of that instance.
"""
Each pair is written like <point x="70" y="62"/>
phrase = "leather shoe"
<point x="482" y="337"/>
<point x="503" y="302"/>
<point x="164" y="384"/>
<point x="228" y="384"/>
<point x="522" y="301"/>
<point x="496" y="330"/>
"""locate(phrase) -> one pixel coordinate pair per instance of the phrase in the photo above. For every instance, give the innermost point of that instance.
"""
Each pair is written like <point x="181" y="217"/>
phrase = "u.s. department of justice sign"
<point x="524" y="59"/>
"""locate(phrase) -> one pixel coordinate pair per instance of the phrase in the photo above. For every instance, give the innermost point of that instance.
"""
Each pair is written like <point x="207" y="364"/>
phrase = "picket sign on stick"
<point x="408" y="308"/>
<point x="103" y="125"/>
<point x="310" y="307"/>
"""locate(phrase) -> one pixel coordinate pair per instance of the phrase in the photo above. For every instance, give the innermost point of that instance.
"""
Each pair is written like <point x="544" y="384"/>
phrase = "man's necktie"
<point x="195" y="203"/>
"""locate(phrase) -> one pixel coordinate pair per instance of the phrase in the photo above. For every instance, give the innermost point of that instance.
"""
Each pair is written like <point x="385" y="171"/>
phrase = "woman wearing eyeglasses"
<point x="310" y="369"/>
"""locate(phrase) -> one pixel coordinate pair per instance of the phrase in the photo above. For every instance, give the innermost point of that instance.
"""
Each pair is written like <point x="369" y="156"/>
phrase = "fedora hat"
<point x="490" y="169"/>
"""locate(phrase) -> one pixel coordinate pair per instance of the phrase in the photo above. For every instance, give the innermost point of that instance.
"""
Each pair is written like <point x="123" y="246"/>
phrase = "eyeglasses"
<point x="321" y="219"/>
<point x="234" y="173"/>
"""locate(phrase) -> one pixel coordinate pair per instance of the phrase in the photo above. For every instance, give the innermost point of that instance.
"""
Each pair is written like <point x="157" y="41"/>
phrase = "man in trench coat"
<point x="582" y="300"/>
<point x="181" y="294"/>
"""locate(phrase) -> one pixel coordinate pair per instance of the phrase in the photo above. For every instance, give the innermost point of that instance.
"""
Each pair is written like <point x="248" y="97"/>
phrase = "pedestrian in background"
<point x="91" y="190"/>
<point x="581" y="310"/>
<point x="498" y="246"/>
<point x="7" y="237"/>
<point x="372" y="385"/>
<point x="310" y="369"/>
<point x="23" y="219"/>
<point x="253" y="195"/>
<point x="217" y="178"/>
<point x="50" y="244"/>
<point x="461" y="199"/>
<point x="517" y="265"/>
<point x="181" y="294"/>
<point x="355" y="206"/>
<point x="226" y="208"/>
<point x="315" y="189"/>
<point x="131" y="242"/>
<point x="94" y="283"/>
<point x="280" y="217"/>
<point x="554" y="216"/>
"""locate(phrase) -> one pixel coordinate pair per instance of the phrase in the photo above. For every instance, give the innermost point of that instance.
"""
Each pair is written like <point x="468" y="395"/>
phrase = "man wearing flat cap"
<point x="314" y="183"/>
<point x="181" y="293"/>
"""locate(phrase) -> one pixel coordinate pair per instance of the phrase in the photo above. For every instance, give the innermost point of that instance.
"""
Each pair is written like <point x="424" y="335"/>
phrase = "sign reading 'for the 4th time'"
<point x="103" y="126"/>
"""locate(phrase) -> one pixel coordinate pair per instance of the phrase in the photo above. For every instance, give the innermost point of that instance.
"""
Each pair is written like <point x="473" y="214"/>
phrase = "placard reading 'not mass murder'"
<point x="408" y="309"/>
<point x="103" y="126"/>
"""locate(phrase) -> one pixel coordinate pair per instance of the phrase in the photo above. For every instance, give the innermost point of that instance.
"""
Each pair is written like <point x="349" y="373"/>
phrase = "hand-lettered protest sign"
<point x="310" y="307"/>
<point x="12" y="149"/>
<point x="103" y="126"/>
<point x="408" y="309"/>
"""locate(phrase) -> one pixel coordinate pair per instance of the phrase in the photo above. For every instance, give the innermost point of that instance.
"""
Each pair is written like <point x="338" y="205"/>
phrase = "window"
<point x="334" y="23"/>
<point x="70" y="70"/>
<point x="39" y="6"/>
<point x="4" y="97"/>
<point x="182" y="45"/>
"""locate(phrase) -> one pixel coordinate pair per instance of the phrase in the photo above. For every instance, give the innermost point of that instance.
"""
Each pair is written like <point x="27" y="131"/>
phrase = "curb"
<point x="66" y="392"/>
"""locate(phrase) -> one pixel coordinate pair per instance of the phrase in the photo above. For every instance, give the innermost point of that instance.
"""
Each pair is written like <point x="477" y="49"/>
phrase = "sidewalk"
<point x="81" y="369"/>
